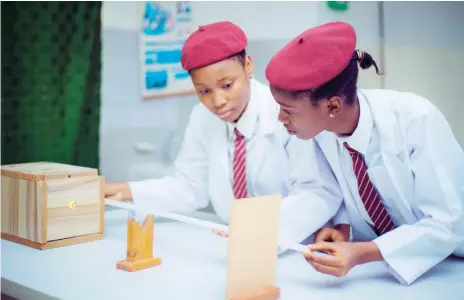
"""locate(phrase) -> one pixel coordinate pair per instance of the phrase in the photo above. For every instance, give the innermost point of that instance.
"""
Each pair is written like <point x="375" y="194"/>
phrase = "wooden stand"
<point x="139" y="246"/>
<point x="267" y="293"/>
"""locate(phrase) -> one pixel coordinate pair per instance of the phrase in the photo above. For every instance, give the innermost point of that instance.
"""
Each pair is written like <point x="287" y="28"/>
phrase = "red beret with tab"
<point x="313" y="58"/>
<point x="212" y="43"/>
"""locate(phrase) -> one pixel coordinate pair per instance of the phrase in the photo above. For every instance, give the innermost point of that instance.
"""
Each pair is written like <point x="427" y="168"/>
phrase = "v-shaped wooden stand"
<point x="139" y="246"/>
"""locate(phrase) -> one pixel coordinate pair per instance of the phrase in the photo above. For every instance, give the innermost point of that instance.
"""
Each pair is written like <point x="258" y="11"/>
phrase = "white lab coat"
<point x="283" y="165"/>
<point x="423" y="172"/>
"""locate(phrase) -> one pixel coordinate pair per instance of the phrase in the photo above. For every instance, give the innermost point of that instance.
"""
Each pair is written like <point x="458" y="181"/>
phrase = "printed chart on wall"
<point x="164" y="29"/>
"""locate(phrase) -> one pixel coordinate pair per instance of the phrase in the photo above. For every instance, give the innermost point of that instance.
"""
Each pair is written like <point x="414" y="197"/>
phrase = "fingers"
<point x="327" y="260"/>
<point x="322" y="246"/>
<point x="221" y="233"/>
<point x="117" y="197"/>
<point x="338" y="237"/>
<point x="324" y="235"/>
<point x="329" y="270"/>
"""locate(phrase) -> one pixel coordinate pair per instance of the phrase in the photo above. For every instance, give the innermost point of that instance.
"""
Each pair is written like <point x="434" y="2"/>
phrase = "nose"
<point x="218" y="100"/>
<point x="283" y="117"/>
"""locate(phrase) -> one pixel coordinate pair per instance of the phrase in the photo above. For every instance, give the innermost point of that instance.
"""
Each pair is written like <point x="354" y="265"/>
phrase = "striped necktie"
<point x="369" y="196"/>
<point x="239" y="167"/>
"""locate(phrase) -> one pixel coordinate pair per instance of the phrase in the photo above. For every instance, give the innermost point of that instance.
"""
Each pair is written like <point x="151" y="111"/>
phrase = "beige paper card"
<point x="252" y="244"/>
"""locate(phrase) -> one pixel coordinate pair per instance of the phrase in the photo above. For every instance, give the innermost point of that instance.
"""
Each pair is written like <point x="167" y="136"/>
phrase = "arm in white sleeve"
<point x="315" y="195"/>
<point x="186" y="190"/>
<point x="342" y="216"/>
<point x="438" y="164"/>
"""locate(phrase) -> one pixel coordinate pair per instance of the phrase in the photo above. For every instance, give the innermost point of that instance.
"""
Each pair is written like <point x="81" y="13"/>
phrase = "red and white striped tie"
<point x="239" y="167"/>
<point x="369" y="196"/>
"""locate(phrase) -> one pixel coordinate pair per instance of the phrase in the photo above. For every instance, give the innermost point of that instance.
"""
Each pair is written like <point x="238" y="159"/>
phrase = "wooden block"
<point x="139" y="246"/>
<point x="253" y="246"/>
<point x="267" y="293"/>
<point x="46" y="205"/>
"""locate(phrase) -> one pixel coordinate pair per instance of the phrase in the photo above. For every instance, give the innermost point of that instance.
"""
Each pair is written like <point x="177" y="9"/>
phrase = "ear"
<point x="334" y="105"/>
<point x="248" y="66"/>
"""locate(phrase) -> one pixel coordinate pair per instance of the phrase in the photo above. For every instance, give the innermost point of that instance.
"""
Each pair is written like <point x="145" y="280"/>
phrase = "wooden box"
<point x="47" y="205"/>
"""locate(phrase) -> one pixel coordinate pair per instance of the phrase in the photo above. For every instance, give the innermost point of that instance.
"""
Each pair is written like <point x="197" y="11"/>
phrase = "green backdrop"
<point x="51" y="63"/>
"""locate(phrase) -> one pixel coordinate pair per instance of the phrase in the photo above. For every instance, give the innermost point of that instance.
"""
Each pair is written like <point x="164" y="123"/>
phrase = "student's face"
<point x="299" y="115"/>
<point x="224" y="87"/>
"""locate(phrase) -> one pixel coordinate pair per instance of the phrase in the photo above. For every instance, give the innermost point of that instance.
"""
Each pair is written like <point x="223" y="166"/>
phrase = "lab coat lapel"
<point x="219" y="163"/>
<point x="267" y="120"/>
<point x="329" y="147"/>
<point x="394" y="154"/>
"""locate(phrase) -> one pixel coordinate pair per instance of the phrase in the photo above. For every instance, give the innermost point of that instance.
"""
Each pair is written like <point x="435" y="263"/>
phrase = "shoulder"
<point x="264" y="93"/>
<point x="201" y="115"/>
<point x="201" y="121"/>
<point x="417" y="117"/>
<point x="407" y="106"/>
<point x="266" y="105"/>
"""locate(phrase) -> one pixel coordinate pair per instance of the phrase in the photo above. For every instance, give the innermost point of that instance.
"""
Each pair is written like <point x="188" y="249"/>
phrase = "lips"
<point x="290" y="131"/>
<point x="224" y="115"/>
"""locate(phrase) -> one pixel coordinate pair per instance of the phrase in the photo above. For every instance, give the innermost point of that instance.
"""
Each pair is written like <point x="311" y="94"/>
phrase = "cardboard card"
<point x="252" y="244"/>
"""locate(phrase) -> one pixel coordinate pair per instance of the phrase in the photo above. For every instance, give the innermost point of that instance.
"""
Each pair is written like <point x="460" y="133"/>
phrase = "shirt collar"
<point x="247" y="123"/>
<point x="360" y="138"/>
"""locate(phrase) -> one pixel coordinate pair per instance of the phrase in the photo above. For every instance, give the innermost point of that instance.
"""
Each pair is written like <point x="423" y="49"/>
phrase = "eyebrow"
<point x="285" y="105"/>
<point x="200" y="84"/>
<point x="229" y="77"/>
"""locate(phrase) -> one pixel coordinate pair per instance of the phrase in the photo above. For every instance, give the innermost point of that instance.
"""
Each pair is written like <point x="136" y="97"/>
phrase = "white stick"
<point x="190" y="220"/>
<point x="297" y="248"/>
<point x="173" y="216"/>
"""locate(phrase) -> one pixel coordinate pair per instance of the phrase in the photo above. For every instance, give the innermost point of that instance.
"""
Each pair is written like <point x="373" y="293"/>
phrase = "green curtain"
<point x="51" y="64"/>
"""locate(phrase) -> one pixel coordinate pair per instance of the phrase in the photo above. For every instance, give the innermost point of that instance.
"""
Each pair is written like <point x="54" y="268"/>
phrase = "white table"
<point x="194" y="264"/>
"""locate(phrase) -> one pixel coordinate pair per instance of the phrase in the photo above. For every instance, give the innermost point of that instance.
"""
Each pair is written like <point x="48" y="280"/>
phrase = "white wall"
<point x="364" y="16"/>
<point x="123" y="15"/>
<point x="127" y="121"/>
<point x="424" y="56"/>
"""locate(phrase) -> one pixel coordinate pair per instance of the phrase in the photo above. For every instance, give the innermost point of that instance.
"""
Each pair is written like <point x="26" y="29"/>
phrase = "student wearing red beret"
<point x="235" y="147"/>
<point x="393" y="153"/>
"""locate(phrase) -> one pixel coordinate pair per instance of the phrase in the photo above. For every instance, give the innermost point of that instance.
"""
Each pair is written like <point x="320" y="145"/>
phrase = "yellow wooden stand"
<point x="139" y="246"/>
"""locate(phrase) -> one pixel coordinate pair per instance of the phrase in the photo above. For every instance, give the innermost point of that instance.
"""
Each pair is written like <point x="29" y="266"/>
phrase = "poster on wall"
<point x="164" y="28"/>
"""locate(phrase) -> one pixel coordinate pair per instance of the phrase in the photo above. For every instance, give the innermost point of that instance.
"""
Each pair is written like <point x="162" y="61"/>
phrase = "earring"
<point x="331" y="116"/>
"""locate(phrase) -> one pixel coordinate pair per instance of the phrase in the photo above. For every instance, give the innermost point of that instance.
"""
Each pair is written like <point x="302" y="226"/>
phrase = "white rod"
<point x="190" y="220"/>
<point x="173" y="216"/>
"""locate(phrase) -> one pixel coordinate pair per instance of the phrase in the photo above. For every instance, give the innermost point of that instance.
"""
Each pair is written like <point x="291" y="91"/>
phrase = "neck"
<point x="348" y="121"/>
<point x="241" y="114"/>
<point x="246" y="106"/>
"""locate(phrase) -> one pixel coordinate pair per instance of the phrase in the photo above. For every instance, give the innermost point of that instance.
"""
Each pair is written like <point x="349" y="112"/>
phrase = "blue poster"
<point x="165" y="27"/>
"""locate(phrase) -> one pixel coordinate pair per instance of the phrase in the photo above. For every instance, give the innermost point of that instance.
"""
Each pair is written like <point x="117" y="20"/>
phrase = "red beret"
<point x="212" y="43"/>
<point x="313" y="58"/>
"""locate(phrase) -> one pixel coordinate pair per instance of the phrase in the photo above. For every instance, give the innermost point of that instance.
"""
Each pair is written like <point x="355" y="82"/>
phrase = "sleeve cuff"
<point x="403" y="272"/>
<point x="341" y="217"/>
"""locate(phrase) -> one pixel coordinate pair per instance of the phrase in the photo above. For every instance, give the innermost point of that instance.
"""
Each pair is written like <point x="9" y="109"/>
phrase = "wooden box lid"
<point x="40" y="171"/>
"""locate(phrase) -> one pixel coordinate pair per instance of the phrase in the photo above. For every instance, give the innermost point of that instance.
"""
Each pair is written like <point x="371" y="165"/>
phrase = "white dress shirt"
<point x="365" y="140"/>
<point x="247" y="125"/>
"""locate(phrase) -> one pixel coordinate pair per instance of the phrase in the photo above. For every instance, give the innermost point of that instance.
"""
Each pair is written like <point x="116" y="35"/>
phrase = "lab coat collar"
<point x="268" y="111"/>
<point x="360" y="138"/>
<point x="383" y="115"/>
<point x="262" y="111"/>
